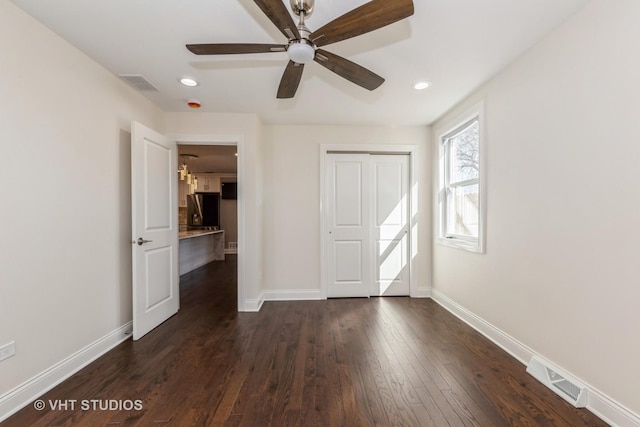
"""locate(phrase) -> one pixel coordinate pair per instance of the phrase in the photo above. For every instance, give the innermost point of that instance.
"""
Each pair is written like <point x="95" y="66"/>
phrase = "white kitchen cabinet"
<point x="209" y="183"/>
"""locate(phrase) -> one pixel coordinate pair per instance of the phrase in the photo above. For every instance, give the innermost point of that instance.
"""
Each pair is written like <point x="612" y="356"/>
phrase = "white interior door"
<point x="154" y="234"/>
<point x="367" y="225"/>
<point x="348" y="225"/>
<point x="390" y="221"/>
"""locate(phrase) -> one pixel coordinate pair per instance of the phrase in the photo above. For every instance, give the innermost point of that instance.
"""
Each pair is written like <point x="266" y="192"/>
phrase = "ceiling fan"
<point x="304" y="45"/>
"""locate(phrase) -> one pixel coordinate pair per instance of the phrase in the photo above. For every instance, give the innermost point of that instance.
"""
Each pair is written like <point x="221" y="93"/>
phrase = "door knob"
<point x="141" y="241"/>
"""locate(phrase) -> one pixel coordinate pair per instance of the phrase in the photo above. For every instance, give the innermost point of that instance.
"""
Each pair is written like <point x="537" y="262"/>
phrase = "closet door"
<point x="390" y="224"/>
<point x="347" y="216"/>
<point x="367" y="224"/>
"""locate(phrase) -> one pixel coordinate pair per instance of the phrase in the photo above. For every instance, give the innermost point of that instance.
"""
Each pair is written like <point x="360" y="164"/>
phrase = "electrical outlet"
<point x="7" y="350"/>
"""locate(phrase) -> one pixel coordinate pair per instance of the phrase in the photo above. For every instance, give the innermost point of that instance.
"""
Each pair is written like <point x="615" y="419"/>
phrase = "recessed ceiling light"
<point x="188" y="81"/>
<point x="423" y="84"/>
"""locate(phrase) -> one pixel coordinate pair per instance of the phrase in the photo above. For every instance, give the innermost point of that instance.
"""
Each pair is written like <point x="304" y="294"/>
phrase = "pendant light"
<point x="183" y="170"/>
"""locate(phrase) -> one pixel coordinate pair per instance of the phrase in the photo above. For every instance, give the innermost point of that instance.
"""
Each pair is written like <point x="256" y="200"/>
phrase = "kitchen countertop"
<point x="196" y="233"/>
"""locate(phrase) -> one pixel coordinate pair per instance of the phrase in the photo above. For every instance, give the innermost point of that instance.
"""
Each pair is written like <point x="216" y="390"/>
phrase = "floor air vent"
<point x="139" y="82"/>
<point x="562" y="384"/>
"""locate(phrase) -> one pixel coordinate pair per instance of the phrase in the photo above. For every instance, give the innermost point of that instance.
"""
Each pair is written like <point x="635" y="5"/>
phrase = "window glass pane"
<point x="464" y="153"/>
<point x="463" y="211"/>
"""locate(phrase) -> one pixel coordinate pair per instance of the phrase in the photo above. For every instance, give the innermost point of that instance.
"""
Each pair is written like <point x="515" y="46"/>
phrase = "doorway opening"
<point x="217" y="166"/>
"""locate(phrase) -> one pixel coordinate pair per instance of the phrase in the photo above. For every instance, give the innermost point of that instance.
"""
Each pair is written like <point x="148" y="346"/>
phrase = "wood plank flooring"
<point x="345" y="362"/>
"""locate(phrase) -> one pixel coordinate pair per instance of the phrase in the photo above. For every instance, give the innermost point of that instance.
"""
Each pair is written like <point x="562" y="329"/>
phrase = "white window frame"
<point x="442" y="133"/>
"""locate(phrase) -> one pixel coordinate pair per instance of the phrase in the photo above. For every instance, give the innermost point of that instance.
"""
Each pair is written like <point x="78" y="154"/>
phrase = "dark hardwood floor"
<point x="345" y="362"/>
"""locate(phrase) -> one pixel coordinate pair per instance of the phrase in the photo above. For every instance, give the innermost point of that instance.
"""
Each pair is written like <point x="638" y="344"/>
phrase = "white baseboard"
<point x="509" y="344"/>
<point x="599" y="404"/>
<point x="254" y="305"/>
<point x="316" y="294"/>
<point x="611" y="411"/>
<point x="22" y="395"/>
<point x="292" y="295"/>
<point x="421" y="293"/>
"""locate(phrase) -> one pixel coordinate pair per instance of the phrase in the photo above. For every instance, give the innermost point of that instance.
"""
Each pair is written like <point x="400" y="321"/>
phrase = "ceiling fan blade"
<point x="348" y="70"/>
<point x="234" y="48"/>
<point x="279" y="15"/>
<point x="290" y="80"/>
<point x="368" y="17"/>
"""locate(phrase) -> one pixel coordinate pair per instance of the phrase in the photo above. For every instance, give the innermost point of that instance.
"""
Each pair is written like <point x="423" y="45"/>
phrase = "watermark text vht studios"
<point x="88" y="405"/>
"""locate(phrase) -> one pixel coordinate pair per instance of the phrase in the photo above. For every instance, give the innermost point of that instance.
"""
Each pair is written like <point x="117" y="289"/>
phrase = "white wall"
<point x="292" y="198"/>
<point x="561" y="272"/>
<point x="230" y="128"/>
<point x="65" y="220"/>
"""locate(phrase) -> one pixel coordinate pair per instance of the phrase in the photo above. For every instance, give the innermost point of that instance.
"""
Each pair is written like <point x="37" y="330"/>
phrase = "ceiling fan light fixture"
<point x="301" y="52"/>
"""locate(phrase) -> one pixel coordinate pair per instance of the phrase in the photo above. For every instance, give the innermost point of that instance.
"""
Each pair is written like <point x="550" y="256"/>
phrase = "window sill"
<point x="475" y="247"/>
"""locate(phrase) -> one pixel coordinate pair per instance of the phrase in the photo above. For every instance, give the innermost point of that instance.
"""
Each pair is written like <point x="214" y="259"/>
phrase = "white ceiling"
<point x="455" y="44"/>
<point x="209" y="158"/>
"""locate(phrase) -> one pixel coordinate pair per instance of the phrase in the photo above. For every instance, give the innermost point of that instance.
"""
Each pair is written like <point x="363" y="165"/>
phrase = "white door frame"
<point x="238" y="141"/>
<point x="414" y="167"/>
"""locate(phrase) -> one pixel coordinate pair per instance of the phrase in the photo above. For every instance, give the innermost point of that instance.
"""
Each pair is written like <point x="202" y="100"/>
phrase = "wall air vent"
<point x="139" y="82"/>
<point x="559" y="382"/>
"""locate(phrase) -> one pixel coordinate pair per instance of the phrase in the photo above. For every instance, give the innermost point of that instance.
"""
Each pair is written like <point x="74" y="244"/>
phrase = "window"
<point x="460" y="195"/>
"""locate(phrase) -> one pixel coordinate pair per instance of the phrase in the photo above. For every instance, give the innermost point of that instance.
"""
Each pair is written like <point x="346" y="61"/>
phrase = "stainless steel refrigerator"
<point x="203" y="210"/>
